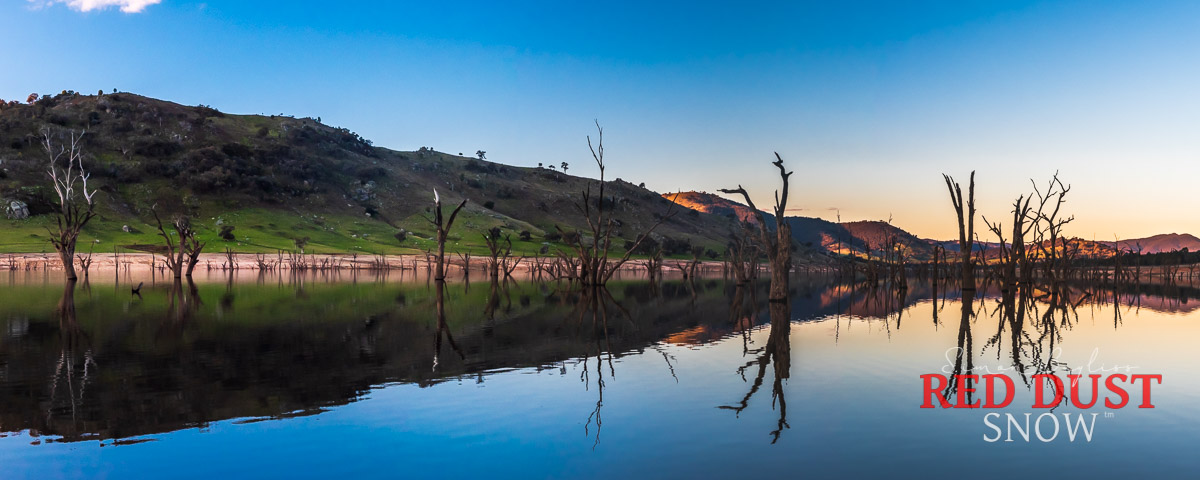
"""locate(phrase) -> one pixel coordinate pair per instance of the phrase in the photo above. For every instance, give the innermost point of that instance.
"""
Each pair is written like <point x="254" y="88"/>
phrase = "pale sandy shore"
<point x="219" y="261"/>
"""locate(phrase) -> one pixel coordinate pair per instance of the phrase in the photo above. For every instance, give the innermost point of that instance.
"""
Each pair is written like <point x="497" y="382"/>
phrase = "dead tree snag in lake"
<point x="442" y="225"/>
<point x="492" y="239"/>
<point x="596" y="268"/>
<point x="188" y="249"/>
<point x="779" y="247"/>
<point x="76" y="204"/>
<point x="966" y="227"/>
<point x="1049" y="226"/>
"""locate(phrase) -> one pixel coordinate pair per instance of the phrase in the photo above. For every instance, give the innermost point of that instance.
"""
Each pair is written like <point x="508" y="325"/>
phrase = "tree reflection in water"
<point x="75" y="365"/>
<point x="594" y="301"/>
<point x="300" y="345"/>
<point x="778" y="352"/>
<point x="442" y="328"/>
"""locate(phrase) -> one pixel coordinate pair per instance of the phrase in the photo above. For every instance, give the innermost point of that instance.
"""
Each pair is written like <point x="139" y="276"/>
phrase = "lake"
<point x="382" y="376"/>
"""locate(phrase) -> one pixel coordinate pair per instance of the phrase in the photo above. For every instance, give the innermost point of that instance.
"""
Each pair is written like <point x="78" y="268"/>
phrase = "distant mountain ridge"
<point x="1164" y="242"/>
<point x="858" y="237"/>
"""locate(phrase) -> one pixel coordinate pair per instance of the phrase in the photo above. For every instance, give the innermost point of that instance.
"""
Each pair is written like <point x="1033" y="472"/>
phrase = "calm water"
<point x="315" y="377"/>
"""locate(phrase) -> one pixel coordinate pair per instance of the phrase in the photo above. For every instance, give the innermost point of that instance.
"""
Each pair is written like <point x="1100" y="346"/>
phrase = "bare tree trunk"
<point x="966" y="228"/>
<point x="443" y="229"/>
<point x="779" y="247"/>
<point x="68" y="261"/>
<point x="74" y="210"/>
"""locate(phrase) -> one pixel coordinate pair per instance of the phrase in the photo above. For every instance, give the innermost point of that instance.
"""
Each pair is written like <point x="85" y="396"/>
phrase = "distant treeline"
<point x="1177" y="257"/>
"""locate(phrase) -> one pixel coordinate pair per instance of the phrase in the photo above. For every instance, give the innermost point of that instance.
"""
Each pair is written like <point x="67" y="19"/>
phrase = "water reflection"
<point x="778" y="352"/>
<point x="73" y="369"/>
<point x="112" y="365"/>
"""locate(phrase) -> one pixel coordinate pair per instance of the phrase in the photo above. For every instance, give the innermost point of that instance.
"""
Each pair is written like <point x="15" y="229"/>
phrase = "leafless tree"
<point x="1049" y="227"/>
<point x="597" y="269"/>
<point x="442" y="225"/>
<point x="76" y="203"/>
<point x="966" y="227"/>
<point x="495" y="250"/>
<point x="779" y="247"/>
<point x="181" y="252"/>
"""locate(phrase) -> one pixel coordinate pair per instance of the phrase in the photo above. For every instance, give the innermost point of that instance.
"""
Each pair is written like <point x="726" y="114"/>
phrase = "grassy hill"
<point x="276" y="179"/>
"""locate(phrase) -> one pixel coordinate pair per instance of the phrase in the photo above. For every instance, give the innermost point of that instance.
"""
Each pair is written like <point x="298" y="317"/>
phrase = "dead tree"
<point x="507" y="265"/>
<point x="779" y="247"/>
<point x="966" y="227"/>
<point x="495" y="250"/>
<point x="85" y="261"/>
<point x="1049" y="226"/>
<point x="594" y="261"/>
<point x="442" y="225"/>
<point x="1005" y="257"/>
<point x="192" y="249"/>
<point x="692" y="266"/>
<point x="1022" y="226"/>
<point x="76" y="204"/>
<point x="186" y="251"/>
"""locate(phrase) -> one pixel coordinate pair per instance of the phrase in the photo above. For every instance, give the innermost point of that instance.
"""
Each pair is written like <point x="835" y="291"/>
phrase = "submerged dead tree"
<point x="779" y="247"/>
<point x="1049" y="226"/>
<point x="492" y="239"/>
<point x="76" y="204"/>
<point x="442" y="225"/>
<point x="596" y="268"/>
<point x="966" y="227"/>
<point x="184" y="251"/>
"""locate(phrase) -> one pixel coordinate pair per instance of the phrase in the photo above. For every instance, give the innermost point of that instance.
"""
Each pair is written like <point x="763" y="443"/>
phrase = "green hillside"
<point x="276" y="179"/>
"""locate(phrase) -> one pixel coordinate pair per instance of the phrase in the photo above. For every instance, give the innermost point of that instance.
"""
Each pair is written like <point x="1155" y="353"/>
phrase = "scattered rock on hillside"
<point x="16" y="210"/>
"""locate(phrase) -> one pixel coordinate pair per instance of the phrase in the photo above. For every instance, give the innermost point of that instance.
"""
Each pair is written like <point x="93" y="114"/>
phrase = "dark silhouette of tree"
<point x="442" y="226"/>
<point x="594" y="259"/>
<point x="184" y="251"/>
<point x="966" y="228"/>
<point x="779" y="246"/>
<point x="1048" y="228"/>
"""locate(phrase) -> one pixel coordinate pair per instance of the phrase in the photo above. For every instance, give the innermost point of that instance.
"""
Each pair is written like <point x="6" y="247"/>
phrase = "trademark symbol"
<point x="1109" y="414"/>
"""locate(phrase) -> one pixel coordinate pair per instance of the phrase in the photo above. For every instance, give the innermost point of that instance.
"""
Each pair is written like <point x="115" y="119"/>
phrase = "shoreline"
<point x="107" y="262"/>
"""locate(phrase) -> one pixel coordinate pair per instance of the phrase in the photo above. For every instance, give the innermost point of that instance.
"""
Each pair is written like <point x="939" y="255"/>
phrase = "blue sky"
<point x="868" y="102"/>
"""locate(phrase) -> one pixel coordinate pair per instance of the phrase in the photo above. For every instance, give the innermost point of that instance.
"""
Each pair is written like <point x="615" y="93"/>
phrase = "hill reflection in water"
<point x="92" y="362"/>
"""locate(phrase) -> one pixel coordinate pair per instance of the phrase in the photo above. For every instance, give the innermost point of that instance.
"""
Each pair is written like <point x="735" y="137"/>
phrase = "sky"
<point x="869" y="103"/>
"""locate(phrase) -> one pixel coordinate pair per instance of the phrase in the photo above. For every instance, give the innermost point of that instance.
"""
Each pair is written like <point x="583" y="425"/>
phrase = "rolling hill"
<point x="278" y="180"/>
<point x="853" y="238"/>
<point x="856" y="238"/>
<point x="1166" y="242"/>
